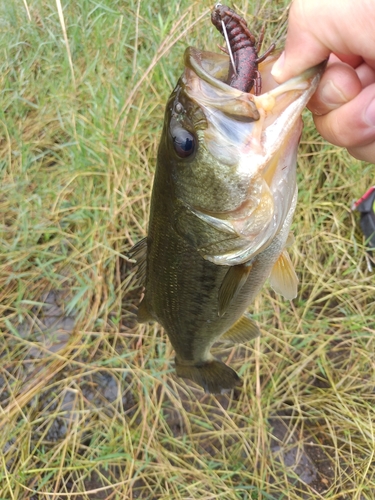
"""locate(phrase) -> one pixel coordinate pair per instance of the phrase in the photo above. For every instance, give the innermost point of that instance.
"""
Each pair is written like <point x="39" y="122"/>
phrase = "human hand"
<point x="344" y="103"/>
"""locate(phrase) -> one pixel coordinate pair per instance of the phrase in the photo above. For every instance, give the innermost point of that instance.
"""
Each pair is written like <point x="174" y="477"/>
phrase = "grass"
<point x="90" y="407"/>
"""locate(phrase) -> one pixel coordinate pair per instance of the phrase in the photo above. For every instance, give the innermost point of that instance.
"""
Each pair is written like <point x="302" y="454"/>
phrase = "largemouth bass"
<point x="222" y="204"/>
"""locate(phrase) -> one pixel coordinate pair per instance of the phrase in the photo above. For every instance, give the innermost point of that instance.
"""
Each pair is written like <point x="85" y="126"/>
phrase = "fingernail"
<point x="277" y="68"/>
<point x="369" y="116"/>
<point x="331" y="95"/>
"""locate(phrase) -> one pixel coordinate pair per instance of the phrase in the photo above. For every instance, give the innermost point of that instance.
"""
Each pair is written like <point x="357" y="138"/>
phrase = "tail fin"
<point x="213" y="376"/>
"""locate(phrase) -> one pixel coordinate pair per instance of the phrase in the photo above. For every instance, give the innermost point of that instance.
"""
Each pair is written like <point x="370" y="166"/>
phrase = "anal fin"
<point x="283" y="278"/>
<point x="242" y="331"/>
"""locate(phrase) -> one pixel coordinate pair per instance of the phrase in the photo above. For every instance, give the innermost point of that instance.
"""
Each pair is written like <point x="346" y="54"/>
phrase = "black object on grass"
<point x="366" y="206"/>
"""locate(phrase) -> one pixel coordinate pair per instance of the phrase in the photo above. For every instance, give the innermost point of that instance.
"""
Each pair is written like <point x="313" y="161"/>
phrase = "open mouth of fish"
<point x="256" y="134"/>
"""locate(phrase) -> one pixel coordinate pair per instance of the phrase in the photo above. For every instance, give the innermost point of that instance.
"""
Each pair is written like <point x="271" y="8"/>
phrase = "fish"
<point x="222" y="204"/>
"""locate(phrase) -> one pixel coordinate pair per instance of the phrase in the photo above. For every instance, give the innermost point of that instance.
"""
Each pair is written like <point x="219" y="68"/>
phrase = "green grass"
<point x="79" y="131"/>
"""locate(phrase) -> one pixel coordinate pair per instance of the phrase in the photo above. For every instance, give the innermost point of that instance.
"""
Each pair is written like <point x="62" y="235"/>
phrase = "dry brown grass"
<point x="89" y="404"/>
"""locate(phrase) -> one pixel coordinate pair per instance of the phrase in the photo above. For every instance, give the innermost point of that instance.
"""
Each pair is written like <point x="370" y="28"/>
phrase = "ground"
<point x="90" y="407"/>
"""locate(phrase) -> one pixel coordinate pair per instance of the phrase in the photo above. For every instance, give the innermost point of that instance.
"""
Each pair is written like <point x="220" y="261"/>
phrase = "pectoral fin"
<point x="290" y="240"/>
<point x="283" y="278"/>
<point x="242" y="331"/>
<point x="232" y="283"/>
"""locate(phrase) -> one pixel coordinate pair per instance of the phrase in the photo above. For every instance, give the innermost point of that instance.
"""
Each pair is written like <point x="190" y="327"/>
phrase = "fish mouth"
<point x="256" y="134"/>
<point x="244" y="122"/>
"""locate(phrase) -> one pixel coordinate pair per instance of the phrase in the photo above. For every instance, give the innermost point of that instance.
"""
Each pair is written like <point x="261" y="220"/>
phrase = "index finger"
<point x="317" y="28"/>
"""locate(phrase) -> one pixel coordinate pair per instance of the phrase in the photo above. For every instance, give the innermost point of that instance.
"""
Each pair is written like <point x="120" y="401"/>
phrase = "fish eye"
<point x="183" y="142"/>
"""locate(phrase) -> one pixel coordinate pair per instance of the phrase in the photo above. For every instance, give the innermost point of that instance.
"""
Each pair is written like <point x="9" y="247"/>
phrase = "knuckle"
<point x="330" y="128"/>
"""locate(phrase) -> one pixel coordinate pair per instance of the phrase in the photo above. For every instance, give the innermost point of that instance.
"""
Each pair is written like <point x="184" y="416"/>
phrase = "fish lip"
<point x="195" y="59"/>
<point x="199" y="62"/>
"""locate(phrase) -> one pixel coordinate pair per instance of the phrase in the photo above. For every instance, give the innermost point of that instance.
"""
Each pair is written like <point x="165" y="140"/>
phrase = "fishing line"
<point x="229" y="47"/>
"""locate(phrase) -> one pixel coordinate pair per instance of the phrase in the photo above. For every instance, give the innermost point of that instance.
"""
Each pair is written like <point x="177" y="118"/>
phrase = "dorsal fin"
<point x="139" y="253"/>
<point x="283" y="278"/>
<point x="144" y="315"/>
<point x="139" y="250"/>
<point x="232" y="283"/>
